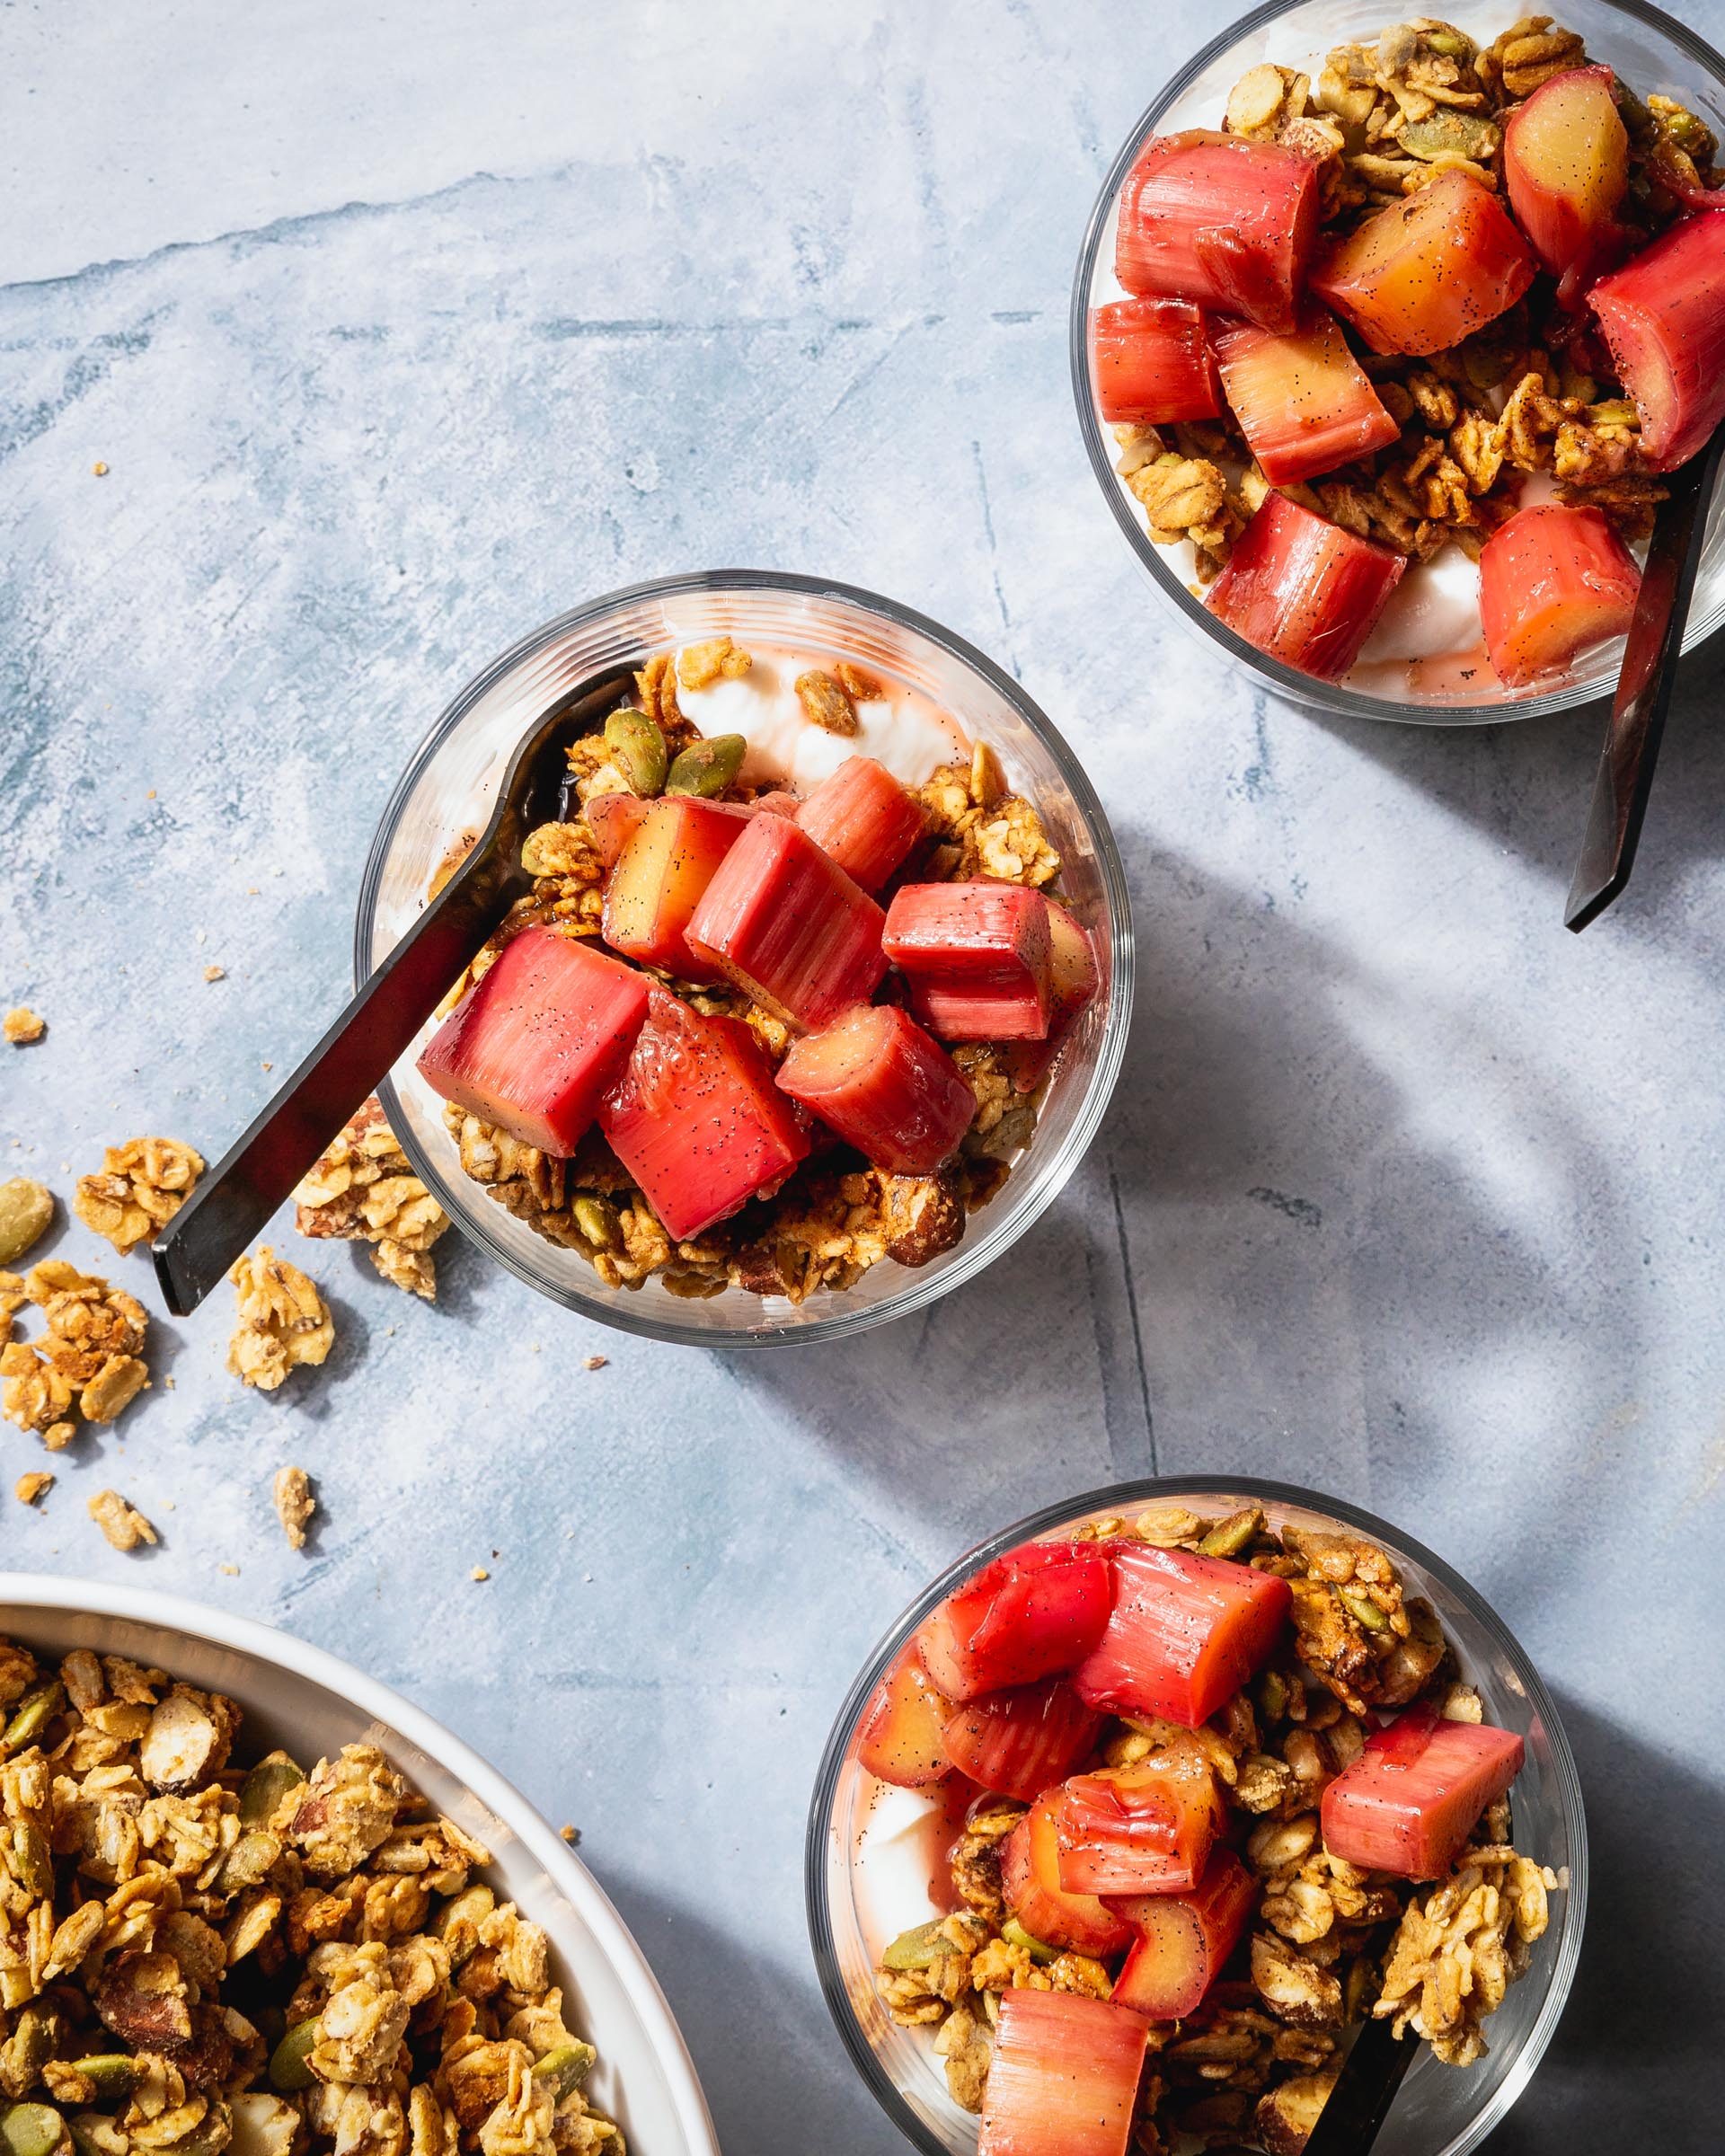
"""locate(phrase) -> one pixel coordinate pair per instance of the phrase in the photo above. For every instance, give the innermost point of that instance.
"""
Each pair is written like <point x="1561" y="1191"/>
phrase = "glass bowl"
<point x="1440" y="2110"/>
<point x="1649" y="49"/>
<point x="448" y="787"/>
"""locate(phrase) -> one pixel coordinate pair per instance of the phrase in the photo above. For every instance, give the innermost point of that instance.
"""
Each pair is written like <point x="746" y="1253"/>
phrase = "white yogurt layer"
<point x="1434" y="609"/>
<point x="899" y="728"/>
<point x="895" y="1861"/>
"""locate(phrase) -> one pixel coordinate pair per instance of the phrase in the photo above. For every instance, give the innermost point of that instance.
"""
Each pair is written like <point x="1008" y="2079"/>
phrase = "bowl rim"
<point x="1297" y="687"/>
<point x="268" y="1644"/>
<point x="975" y="1253"/>
<point x="1121" y="1497"/>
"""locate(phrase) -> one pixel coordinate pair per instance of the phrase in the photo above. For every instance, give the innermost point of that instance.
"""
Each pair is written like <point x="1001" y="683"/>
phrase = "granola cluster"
<point x="835" y="1217"/>
<point x="363" y="1189"/>
<point x="283" y="1321"/>
<point x="1331" y="1946"/>
<point x="89" y="1361"/>
<point x="142" y="1185"/>
<point x="195" y="1956"/>
<point x="1531" y="391"/>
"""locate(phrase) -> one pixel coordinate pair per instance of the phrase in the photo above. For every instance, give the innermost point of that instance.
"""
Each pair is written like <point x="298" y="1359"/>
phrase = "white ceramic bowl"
<point x="311" y="1704"/>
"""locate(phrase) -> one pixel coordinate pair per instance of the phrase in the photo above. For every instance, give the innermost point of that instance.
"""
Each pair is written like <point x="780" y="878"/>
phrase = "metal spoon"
<point x="1632" y="749"/>
<point x="1356" y="2108"/>
<point x="252" y="1178"/>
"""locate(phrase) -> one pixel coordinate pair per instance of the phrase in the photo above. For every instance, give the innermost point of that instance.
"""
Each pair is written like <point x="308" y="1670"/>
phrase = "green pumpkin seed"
<point x="30" y="1860"/>
<point x="1038" y="1950"/>
<point x="705" y="768"/>
<point x="112" y="2074"/>
<point x="290" y="2066"/>
<point x="1447" y="133"/>
<point x="31" y="2129"/>
<point x="248" y="1862"/>
<point x="35" y="1711"/>
<point x="597" y="1218"/>
<point x="1272" y="1695"/>
<point x="29" y="2046"/>
<point x="1363" y="1609"/>
<point x="635" y="744"/>
<point x="265" y="1786"/>
<point x="566" y="2068"/>
<point x="1614" y="412"/>
<point x="1228" y="1537"/>
<point x="918" y="1948"/>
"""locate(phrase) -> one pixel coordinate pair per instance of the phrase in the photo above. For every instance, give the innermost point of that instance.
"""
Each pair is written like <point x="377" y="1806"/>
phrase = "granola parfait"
<point x="1185" y="1793"/>
<point x="1394" y="343"/>
<point x="819" y="940"/>
<point x="276" y="1958"/>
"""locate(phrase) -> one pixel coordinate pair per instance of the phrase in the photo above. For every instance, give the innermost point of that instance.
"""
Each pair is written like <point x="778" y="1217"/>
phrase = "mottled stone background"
<point x="402" y="325"/>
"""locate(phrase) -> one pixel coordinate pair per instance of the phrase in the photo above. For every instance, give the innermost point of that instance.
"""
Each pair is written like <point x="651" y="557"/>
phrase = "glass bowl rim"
<point x="974" y="1254"/>
<point x="1119" y="1497"/>
<point x="1300" y="688"/>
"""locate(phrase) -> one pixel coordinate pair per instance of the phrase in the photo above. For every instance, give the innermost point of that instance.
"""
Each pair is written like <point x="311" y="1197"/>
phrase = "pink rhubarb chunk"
<point x="1410" y="1801"/>
<point x="977" y="957"/>
<point x="864" y="819"/>
<point x="876" y="1078"/>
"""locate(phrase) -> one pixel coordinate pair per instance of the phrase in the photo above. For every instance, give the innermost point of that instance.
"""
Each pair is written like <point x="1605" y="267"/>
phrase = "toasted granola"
<point x="89" y="1361"/>
<point x="363" y="1189"/>
<point x="197" y="1955"/>
<point x="122" y="1523"/>
<point x="291" y="1494"/>
<point x="283" y="1320"/>
<point x="142" y="1185"/>
<point x="21" y="1025"/>
<point x="1329" y="1945"/>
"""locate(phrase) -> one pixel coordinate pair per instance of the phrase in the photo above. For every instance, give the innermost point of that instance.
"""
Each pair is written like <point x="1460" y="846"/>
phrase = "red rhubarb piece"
<point x="1038" y="1610"/>
<point x="1410" y="1801"/>
<point x="790" y="927"/>
<point x="1423" y="274"/>
<point x="900" y="1737"/>
<point x="1153" y="362"/>
<point x="1227" y="223"/>
<point x="1663" y="315"/>
<point x="1017" y="1742"/>
<point x="1063" y="2078"/>
<point x="1143" y="1829"/>
<point x="1029" y="1874"/>
<point x="1074" y="977"/>
<point x="1302" y="589"/>
<point x="662" y="875"/>
<point x="1183" y="1634"/>
<point x="864" y="819"/>
<point x="878" y="1080"/>
<point x="1554" y="580"/>
<point x="1302" y="399"/>
<point x="1566" y="166"/>
<point x="537" y="1041"/>
<point x="697" y="1120"/>
<point x="978" y="957"/>
<point x="1184" y="1940"/>
<point x="613" y="818"/>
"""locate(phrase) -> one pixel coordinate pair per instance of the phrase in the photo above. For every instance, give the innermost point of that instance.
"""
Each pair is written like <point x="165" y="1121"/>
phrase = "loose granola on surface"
<point x="1327" y="1944"/>
<point x="834" y="1215"/>
<point x="363" y="1189"/>
<point x="89" y="1361"/>
<point x="1532" y="392"/>
<point x="142" y="1185"/>
<point x="195" y="1956"/>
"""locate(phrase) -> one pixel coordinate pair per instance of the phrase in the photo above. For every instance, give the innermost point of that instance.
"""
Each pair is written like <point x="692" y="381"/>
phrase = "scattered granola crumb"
<point x="363" y="1189"/>
<point x="294" y="1503"/>
<point x="283" y="1320"/>
<point x="100" y="469"/>
<point x="33" y="1487"/>
<point x="269" y="1066"/>
<point x="150" y="796"/>
<point x="21" y="1024"/>
<point x="231" y="1571"/>
<point x="143" y="1184"/>
<point x="59" y="1435"/>
<point x="124" y="1526"/>
<point x="214" y="973"/>
<point x="91" y="1351"/>
<point x="478" y="1572"/>
<point x="594" y="1362"/>
<point x="571" y="1835"/>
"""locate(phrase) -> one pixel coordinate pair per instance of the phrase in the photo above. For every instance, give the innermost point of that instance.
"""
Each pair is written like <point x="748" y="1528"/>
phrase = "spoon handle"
<point x="1632" y="749"/>
<point x="256" y="1173"/>
<point x="1359" y="2103"/>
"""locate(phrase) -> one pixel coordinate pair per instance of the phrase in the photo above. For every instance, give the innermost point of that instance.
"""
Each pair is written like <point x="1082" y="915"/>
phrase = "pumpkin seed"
<point x="1364" y="1609"/>
<point x="635" y="744"/>
<point x="705" y="768"/>
<point x="565" y="2068"/>
<point x="1228" y="1537"/>
<point x="918" y="1947"/>
<point x="1449" y="134"/>
<point x="265" y="1786"/>
<point x="35" y="1711"/>
<point x="290" y="2061"/>
<point x="31" y="2129"/>
<point x="248" y="1862"/>
<point x="111" y="2074"/>
<point x="1038" y="1950"/>
<point x="31" y="1858"/>
<point x="597" y="1218"/>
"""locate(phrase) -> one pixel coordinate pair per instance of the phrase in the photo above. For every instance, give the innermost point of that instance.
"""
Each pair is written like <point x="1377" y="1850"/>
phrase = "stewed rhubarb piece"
<point x="662" y="875"/>
<point x="1074" y="977"/>
<point x="613" y="818"/>
<point x="785" y="923"/>
<point x="1143" y="1829"/>
<point x="1554" y="580"/>
<point x="696" y="1119"/>
<point x="1184" y="1940"/>
<point x="538" y="1038"/>
<point x="1423" y="274"/>
<point x="878" y="1080"/>
<point x="977" y="957"/>
<point x="1153" y="362"/>
<point x="1184" y="1632"/>
<point x="1063" y="2079"/>
<point x="1409" y="1802"/>
<point x="1663" y="315"/>
<point x="1566" y="166"/>
<point x="1227" y="223"/>
<point x="901" y="1737"/>
<point x="1302" y="399"/>
<point x="1037" y="1610"/>
<point x="864" y="819"/>
<point x="1017" y="1743"/>
<point x="1029" y="1875"/>
<point x="1302" y="589"/>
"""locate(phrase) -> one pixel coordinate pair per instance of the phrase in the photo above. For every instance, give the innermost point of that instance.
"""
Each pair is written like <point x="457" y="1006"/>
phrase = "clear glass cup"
<point x="1649" y="49"/>
<point x="448" y="788"/>
<point x="853" y="1911"/>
